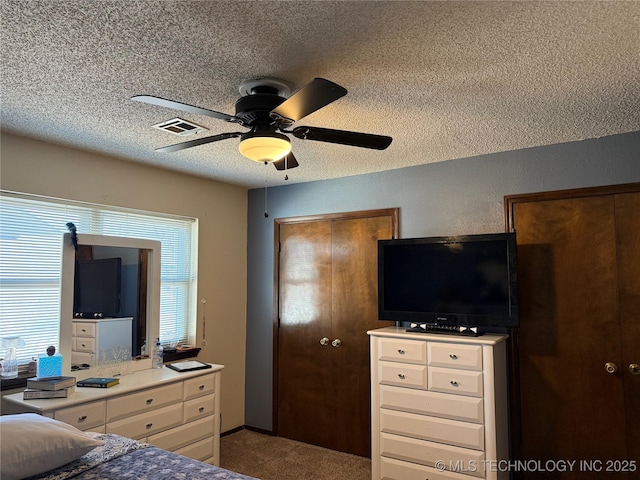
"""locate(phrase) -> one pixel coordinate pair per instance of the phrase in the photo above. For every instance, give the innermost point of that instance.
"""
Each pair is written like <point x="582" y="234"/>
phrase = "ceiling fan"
<point x="266" y="109"/>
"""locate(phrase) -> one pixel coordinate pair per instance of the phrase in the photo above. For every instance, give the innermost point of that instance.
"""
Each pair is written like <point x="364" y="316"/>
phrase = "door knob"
<point x="611" y="367"/>
<point x="336" y="342"/>
<point x="634" y="369"/>
<point x="324" y="341"/>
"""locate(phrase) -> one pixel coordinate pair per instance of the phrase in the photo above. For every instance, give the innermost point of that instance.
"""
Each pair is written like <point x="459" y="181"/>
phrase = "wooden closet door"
<point x="571" y="408"/>
<point x="305" y="367"/>
<point x="355" y="311"/>
<point x="327" y="284"/>
<point x="627" y="207"/>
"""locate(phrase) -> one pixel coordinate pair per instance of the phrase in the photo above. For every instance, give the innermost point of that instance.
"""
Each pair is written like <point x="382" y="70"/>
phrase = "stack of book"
<point x="51" y="387"/>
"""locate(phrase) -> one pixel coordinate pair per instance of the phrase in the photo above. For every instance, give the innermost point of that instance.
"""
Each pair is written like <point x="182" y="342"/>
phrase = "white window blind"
<point x="31" y="232"/>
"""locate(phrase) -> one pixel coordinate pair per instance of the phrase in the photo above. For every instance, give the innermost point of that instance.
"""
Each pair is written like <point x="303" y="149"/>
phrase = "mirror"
<point x="110" y="302"/>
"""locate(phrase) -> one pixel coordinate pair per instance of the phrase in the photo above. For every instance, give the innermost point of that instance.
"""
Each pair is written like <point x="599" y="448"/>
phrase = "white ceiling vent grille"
<point x="179" y="126"/>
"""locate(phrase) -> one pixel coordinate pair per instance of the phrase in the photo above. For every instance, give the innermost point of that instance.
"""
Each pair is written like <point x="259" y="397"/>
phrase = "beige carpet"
<point x="275" y="458"/>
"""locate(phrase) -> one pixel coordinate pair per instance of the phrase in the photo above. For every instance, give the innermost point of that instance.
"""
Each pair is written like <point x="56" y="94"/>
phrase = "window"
<point x="31" y="230"/>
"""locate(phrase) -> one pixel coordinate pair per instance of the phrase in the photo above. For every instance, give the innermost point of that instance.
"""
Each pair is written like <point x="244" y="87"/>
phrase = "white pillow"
<point x="31" y="444"/>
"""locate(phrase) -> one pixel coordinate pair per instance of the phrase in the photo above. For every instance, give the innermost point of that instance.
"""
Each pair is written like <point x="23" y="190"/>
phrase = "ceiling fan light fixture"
<point x="264" y="146"/>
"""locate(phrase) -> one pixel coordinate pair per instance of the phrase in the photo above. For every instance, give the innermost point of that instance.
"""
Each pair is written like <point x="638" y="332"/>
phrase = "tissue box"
<point x="49" y="366"/>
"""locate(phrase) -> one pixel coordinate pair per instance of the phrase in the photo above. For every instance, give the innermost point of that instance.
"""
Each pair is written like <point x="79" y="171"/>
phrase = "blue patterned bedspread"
<point x="123" y="458"/>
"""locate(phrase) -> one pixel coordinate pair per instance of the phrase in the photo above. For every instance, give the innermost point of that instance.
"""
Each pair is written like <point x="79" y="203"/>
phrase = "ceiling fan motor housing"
<point x="254" y="109"/>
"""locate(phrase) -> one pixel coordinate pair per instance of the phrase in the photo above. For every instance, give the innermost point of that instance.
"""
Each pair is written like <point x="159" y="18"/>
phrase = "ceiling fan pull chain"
<point x="286" y="166"/>
<point x="266" y="213"/>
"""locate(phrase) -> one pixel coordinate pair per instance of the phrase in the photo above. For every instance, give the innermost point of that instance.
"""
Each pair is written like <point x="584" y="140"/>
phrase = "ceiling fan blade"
<point x="286" y="163"/>
<point x="343" y="137"/>
<point x="313" y="96"/>
<point x="162" y="102"/>
<point x="198" y="141"/>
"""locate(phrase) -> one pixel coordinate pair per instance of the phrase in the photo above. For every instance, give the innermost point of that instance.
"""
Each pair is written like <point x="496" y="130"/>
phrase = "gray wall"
<point x="462" y="196"/>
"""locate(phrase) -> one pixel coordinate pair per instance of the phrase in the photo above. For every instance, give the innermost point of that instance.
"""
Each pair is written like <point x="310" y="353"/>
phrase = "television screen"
<point x="97" y="287"/>
<point x="464" y="280"/>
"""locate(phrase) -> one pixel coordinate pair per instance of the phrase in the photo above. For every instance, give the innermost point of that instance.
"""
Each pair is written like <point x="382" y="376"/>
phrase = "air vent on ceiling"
<point x="179" y="126"/>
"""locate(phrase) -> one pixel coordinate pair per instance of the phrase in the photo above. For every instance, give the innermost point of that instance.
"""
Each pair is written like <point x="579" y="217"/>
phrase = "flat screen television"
<point x="98" y="287"/>
<point x="465" y="280"/>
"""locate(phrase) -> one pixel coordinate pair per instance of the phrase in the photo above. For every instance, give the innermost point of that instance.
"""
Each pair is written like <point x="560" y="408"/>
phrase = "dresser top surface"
<point x="136" y="381"/>
<point x="400" y="332"/>
<point x="101" y="320"/>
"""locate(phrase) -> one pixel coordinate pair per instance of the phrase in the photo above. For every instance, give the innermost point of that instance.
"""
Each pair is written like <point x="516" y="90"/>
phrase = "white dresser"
<point x="100" y="340"/>
<point x="439" y="406"/>
<point x="179" y="412"/>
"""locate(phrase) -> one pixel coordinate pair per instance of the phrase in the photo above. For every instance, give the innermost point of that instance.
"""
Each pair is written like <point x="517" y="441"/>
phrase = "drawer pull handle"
<point x="82" y="418"/>
<point x="400" y="351"/>
<point x="149" y="425"/>
<point x="401" y="376"/>
<point x="454" y="383"/>
<point x="453" y="356"/>
<point x="149" y="401"/>
<point x="201" y="387"/>
<point x="201" y="409"/>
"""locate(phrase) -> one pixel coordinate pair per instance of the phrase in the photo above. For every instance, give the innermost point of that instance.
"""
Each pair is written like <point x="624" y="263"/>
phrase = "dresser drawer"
<point x="83" y="417"/>
<point x="456" y="407"/>
<point x="147" y="423"/>
<point x="452" y="355"/>
<point x="407" y="351"/>
<point x="391" y="469"/>
<point x="428" y="453"/>
<point x="451" y="432"/>
<point x="461" y="382"/>
<point x="202" y="450"/>
<point x="82" y="329"/>
<point x="184" y="434"/>
<point x="199" y="386"/>
<point x="403" y="374"/>
<point x="199" y="407"/>
<point x="78" y="358"/>
<point x="128" y="405"/>
<point x="84" y="344"/>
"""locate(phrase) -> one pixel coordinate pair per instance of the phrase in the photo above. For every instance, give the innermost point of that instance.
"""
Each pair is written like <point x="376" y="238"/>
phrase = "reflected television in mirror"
<point x="97" y="287"/>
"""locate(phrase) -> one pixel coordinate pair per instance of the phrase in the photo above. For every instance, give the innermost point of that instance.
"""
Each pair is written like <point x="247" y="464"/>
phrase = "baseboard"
<point x="247" y="427"/>
<point x="260" y="430"/>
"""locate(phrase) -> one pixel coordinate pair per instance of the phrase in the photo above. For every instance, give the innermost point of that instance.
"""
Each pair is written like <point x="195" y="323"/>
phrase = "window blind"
<point x="31" y="232"/>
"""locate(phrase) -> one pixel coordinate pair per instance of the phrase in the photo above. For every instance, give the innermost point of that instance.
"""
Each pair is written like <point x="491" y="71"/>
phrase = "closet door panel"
<point x="305" y="410"/>
<point x="355" y="300"/>
<point x="570" y="405"/>
<point x="628" y="243"/>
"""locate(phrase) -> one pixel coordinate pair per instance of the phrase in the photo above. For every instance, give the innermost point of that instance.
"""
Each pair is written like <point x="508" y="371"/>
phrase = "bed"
<point x="36" y="447"/>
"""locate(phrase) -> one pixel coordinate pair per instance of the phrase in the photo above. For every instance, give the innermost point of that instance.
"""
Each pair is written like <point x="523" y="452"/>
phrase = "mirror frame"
<point x="67" y="291"/>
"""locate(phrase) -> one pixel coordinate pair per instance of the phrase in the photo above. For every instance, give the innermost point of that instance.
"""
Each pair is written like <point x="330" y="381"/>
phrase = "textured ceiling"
<point x="445" y="79"/>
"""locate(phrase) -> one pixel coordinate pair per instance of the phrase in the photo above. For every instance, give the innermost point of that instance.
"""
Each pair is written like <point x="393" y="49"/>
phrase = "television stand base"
<point x="446" y="329"/>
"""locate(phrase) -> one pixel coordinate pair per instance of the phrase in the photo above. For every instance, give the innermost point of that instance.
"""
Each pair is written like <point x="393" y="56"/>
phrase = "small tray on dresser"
<point x="188" y="366"/>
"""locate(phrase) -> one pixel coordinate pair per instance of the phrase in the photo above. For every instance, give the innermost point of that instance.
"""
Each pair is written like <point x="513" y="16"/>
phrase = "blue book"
<point x="98" y="382"/>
